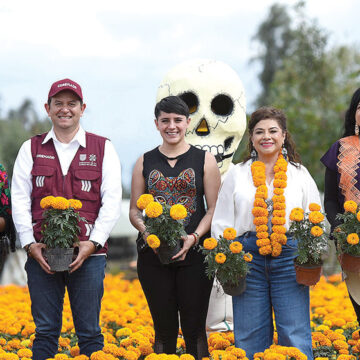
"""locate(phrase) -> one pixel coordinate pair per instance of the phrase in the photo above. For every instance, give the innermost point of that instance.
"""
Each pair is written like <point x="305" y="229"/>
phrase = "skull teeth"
<point x="215" y="150"/>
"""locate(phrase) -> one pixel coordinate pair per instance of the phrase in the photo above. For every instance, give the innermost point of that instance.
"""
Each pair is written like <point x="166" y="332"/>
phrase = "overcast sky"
<point x="119" y="51"/>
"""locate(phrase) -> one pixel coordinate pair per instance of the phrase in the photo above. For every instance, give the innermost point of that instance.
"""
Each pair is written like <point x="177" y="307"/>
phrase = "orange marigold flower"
<point x="229" y="234"/>
<point x="47" y="202"/>
<point x="280" y="175"/>
<point x="178" y="212"/>
<point x="263" y="242"/>
<point x="75" y="204"/>
<point x="153" y="241"/>
<point x="262" y="228"/>
<point x="60" y="203"/>
<point x="278" y="220"/>
<point x="278" y="191"/>
<point x="278" y="198"/>
<point x="314" y="207"/>
<point x="154" y="209"/>
<point x="279" y="206"/>
<point x="350" y="206"/>
<point x="280" y="213"/>
<point x="260" y="220"/>
<point x="260" y="203"/>
<point x="352" y="239"/>
<point x="262" y="235"/>
<point x="358" y="216"/>
<point x="316" y="231"/>
<point x="265" y="250"/>
<point x="278" y="183"/>
<point x="259" y="211"/>
<point x="236" y="247"/>
<point x="279" y="229"/>
<point x="260" y="195"/>
<point x="220" y="258"/>
<point x="316" y="217"/>
<point x="144" y="200"/>
<point x="248" y="257"/>
<point x="296" y="215"/>
<point x="210" y="243"/>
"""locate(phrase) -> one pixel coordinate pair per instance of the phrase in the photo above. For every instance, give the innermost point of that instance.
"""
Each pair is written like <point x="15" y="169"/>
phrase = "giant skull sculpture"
<point x="216" y="99"/>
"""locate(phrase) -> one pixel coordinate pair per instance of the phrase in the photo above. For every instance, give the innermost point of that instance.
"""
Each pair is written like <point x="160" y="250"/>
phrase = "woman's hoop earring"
<point x="284" y="152"/>
<point x="253" y="155"/>
<point x="356" y="129"/>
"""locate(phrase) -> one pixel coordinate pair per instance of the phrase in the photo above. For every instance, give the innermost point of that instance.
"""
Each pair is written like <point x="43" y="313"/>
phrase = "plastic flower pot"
<point x="166" y="252"/>
<point x="59" y="259"/>
<point x="350" y="262"/>
<point x="234" y="290"/>
<point x="307" y="274"/>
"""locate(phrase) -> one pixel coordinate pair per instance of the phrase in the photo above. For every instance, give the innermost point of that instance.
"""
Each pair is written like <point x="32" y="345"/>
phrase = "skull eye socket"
<point x="191" y="101"/>
<point x="222" y="105"/>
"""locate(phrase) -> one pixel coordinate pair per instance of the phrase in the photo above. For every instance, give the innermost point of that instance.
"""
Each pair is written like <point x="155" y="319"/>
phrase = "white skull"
<point x="216" y="99"/>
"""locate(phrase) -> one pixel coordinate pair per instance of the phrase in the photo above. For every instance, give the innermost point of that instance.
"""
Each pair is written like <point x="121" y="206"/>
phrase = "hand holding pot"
<point x="189" y="241"/>
<point x="86" y="248"/>
<point x="37" y="254"/>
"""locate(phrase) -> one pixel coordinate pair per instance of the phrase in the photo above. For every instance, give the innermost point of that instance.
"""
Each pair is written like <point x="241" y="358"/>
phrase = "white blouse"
<point x="237" y="193"/>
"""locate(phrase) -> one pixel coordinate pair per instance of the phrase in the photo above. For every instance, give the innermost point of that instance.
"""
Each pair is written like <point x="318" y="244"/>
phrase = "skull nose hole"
<point x="203" y="128"/>
<point x="228" y="142"/>
<point x="191" y="101"/>
<point x="222" y="105"/>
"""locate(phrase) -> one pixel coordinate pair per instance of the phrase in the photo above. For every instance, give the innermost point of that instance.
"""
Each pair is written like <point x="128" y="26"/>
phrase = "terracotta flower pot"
<point x="232" y="290"/>
<point x="59" y="259"/>
<point x="166" y="252"/>
<point x="307" y="274"/>
<point x="350" y="262"/>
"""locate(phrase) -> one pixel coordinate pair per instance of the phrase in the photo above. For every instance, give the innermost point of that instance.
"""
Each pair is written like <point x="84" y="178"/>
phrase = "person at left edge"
<point x="70" y="162"/>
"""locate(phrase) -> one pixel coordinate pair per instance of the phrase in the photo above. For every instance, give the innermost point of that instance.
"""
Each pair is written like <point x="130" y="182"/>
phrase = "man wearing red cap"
<point x="68" y="162"/>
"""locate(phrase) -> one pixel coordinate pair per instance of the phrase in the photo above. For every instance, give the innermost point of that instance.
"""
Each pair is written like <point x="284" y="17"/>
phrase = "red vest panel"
<point x="83" y="180"/>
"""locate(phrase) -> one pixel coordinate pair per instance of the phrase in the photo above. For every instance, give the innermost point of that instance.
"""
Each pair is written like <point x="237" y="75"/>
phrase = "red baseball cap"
<point x="65" y="84"/>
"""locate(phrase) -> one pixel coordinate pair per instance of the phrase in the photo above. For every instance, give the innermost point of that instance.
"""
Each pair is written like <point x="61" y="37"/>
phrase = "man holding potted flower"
<point x="70" y="163"/>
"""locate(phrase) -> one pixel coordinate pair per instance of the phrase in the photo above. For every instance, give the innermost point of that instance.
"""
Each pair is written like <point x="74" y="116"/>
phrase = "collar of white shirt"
<point x="79" y="137"/>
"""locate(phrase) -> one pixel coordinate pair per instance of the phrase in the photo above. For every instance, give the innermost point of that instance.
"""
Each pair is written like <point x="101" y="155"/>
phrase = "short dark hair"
<point x="349" y="124"/>
<point x="269" y="112"/>
<point x="172" y="104"/>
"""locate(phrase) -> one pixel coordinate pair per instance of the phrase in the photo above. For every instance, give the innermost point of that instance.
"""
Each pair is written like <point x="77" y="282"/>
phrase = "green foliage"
<point x="324" y="352"/>
<point x="234" y="268"/>
<point x="311" y="81"/>
<point x="350" y="225"/>
<point x="165" y="227"/>
<point x="18" y="126"/>
<point x="310" y="248"/>
<point x="60" y="228"/>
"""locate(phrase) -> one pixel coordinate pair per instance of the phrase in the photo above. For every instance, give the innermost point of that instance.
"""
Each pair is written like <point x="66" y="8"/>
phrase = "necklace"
<point x="264" y="208"/>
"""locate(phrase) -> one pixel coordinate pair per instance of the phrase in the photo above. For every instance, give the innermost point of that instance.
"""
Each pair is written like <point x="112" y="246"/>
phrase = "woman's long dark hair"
<point x="269" y="112"/>
<point x="349" y="124"/>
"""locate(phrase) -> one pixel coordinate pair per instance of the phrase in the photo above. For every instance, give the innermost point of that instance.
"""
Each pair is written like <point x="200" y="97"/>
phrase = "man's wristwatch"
<point x="97" y="245"/>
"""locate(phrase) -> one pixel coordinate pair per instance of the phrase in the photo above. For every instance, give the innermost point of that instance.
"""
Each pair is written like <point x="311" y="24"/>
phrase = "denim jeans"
<point x="85" y="288"/>
<point x="271" y="285"/>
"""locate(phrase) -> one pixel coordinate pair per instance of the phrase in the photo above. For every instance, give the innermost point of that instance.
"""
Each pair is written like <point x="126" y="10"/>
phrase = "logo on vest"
<point x="91" y="162"/>
<point x="45" y="156"/>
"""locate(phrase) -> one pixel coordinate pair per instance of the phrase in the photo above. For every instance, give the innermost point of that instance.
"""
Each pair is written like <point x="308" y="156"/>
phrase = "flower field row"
<point x="129" y="335"/>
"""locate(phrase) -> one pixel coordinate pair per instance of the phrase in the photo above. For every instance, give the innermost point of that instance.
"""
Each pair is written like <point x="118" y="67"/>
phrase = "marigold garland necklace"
<point x="261" y="209"/>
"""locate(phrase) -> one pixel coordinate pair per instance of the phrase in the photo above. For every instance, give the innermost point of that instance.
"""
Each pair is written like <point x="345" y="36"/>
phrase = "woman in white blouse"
<point x="256" y="199"/>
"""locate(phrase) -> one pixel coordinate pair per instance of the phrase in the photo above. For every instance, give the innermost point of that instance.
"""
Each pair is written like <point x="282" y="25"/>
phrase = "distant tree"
<point x="274" y="36"/>
<point x="19" y="125"/>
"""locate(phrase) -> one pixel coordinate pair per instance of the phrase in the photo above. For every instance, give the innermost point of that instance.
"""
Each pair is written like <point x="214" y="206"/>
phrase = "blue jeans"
<point x="271" y="285"/>
<point x="85" y="288"/>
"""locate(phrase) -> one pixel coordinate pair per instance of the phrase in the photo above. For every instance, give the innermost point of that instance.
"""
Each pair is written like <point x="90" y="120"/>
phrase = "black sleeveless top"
<point x="181" y="184"/>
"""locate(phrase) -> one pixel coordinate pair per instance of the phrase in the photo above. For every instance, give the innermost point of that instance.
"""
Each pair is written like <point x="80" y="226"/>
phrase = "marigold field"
<point x="129" y="335"/>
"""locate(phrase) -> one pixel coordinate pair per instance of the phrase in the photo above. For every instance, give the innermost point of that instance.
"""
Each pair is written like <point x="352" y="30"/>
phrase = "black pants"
<point x="356" y="307"/>
<point x="173" y="289"/>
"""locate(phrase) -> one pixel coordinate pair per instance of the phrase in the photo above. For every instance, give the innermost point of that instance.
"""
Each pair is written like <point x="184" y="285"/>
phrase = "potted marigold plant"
<point x="308" y="228"/>
<point x="347" y="236"/>
<point x="60" y="230"/>
<point x="165" y="225"/>
<point x="227" y="261"/>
